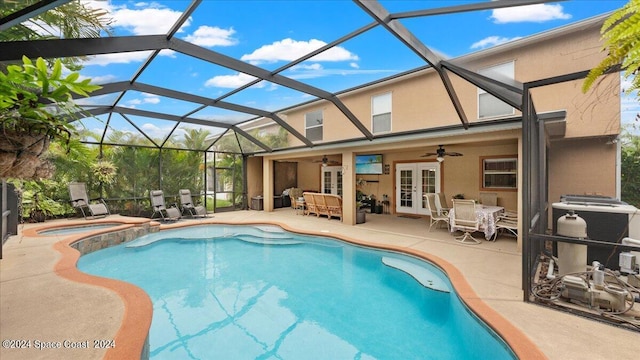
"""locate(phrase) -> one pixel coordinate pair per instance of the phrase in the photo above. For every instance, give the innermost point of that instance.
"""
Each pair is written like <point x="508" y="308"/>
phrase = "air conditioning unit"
<point x="608" y="220"/>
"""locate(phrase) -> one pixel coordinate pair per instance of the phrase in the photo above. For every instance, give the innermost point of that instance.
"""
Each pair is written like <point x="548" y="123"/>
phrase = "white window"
<point x="381" y="113"/>
<point x="499" y="173"/>
<point x="313" y="125"/>
<point x="488" y="105"/>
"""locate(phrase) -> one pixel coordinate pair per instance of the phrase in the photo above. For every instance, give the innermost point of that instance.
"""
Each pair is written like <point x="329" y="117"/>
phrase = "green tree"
<point x="630" y="164"/>
<point x="72" y="20"/>
<point x="621" y="35"/>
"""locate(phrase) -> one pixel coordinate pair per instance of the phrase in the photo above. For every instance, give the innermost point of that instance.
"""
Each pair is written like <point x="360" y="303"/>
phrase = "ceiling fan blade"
<point x="428" y="154"/>
<point x="453" y="154"/>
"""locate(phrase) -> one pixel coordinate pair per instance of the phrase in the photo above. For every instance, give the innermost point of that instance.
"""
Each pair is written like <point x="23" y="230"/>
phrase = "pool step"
<point x="256" y="239"/>
<point x="424" y="276"/>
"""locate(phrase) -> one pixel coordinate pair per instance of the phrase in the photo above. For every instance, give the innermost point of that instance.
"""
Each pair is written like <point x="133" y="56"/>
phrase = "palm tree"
<point x="72" y="20"/>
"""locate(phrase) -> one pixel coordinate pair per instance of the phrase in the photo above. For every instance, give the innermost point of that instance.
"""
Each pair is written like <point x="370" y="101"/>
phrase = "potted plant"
<point x="104" y="171"/>
<point x="36" y="106"/>
<point x="361" y="215"/>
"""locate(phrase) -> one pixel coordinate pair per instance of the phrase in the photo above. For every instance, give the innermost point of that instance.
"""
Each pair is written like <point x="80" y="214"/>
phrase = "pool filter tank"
<point x="572" y="258"/>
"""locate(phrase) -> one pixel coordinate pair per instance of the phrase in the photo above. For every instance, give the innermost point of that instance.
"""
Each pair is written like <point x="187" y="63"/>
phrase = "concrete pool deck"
<point x="38" y="303"/>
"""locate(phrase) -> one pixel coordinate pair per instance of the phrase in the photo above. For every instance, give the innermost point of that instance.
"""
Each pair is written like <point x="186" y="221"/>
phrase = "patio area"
<point x="37" y="304"/>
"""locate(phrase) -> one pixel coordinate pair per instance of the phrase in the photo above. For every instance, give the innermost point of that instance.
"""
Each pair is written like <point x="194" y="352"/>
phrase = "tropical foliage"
<point x="621" y="35"/>
<point x="38" y="100"/>
<point x="74" y="19"/>
<point x="630" y="163"/>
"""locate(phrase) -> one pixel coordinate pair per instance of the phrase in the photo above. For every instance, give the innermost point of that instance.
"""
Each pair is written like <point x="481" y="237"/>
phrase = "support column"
<point x="348" y="188"/>
<point x="267" y="183"/>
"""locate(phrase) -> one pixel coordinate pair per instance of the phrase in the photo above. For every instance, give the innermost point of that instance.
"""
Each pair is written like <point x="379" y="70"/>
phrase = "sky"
<point x="271" y="33"/>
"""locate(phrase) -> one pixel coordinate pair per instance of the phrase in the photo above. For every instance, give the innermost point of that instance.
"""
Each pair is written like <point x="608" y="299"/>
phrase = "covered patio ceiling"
<point x="222" y="115"/>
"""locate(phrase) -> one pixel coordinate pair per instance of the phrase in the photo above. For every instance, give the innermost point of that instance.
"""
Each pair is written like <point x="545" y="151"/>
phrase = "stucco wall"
<point x="581" y="167"/>
<point x="254" y="177"/>
<point x="420" y="101"/>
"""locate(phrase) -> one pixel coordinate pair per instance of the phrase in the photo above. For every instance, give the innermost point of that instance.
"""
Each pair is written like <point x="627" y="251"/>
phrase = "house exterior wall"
<point x="254" y="176"/>
<point x="421" y="103"/>
<point x="582" y="166"/>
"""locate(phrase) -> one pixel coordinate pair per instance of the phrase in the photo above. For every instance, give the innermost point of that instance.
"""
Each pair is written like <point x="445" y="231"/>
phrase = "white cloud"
<point x="302" y="67"/>
<point x="354" y="65"/>
<point x="209" y="36"/>
<point x="146" y="21"/>
<point x="150" y="98"/>
<point x="289" y="50"/>
<point x="311" y="73"/>
<point x="491" y="41"/>
<point x="231" y="81"/>
<point x="102" y="79"/>
<point x="134" y="102"/>
<point x="529" y="13"/>
<point x="118" y="58"/>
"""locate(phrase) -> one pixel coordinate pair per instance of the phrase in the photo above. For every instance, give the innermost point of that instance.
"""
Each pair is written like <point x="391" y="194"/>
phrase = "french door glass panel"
<point x="413" y="180"/>
<point x="332" y="180"/>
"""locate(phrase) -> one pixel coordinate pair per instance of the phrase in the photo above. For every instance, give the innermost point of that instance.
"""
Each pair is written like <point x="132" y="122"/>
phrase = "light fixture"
<point x="440" y="158"/>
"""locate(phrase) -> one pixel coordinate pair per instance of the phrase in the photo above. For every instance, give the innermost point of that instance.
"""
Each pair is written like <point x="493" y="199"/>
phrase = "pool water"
<point x="76" y="229"/>
<point x="240" y="292"/>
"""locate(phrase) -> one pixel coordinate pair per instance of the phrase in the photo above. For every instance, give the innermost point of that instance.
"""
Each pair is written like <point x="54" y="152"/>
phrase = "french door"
<point x="412" y="181"/>
<point x="332" y="180"/>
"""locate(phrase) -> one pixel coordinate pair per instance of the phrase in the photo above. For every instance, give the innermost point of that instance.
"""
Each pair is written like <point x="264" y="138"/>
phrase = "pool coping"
<point x="132" y="336"/>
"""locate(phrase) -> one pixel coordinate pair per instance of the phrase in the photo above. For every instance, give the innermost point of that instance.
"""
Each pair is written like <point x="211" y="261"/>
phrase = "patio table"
<point x="487" y="216"/>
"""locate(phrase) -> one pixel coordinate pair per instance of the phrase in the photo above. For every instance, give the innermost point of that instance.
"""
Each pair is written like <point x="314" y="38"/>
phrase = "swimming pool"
<point x="75" y="229"/>
<point x="241" y="292"/>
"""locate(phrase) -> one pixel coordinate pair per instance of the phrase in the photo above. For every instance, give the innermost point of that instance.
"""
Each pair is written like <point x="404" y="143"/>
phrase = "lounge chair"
<point x="80" y="201"/>
<point x="159" y="207"/>
<point x="334" y="205"/>
<point x="186" y="203"/>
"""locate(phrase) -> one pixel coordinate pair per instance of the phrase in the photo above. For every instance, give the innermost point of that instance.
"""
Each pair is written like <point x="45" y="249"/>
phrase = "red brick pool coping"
<point x="134" y="329"/>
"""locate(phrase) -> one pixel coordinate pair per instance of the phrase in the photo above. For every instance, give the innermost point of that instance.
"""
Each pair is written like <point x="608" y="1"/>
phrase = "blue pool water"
<point x="240" y="292"/>
<point x="76" y="229"/>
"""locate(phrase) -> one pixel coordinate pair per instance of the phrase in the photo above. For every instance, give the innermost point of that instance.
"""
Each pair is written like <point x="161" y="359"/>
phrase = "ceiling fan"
<point x="441" y="153"/>
<point x="325" y="161"/>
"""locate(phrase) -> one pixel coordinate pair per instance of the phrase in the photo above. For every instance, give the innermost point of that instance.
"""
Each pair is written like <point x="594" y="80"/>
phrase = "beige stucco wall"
<point x="580" y="167"/>
<point x="420" y="101"/>
<point x="254" y="177"/>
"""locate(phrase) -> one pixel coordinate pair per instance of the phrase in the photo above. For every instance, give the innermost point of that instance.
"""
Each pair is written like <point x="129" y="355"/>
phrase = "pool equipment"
<point x="630" y="260"/>
<point x="608" y="220"/>
<point x="609" y="296"/>
<point x="572" y="258"/>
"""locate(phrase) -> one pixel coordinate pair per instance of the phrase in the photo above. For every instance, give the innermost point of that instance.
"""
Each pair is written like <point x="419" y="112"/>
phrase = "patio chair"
<point x="465" y="218"/>
<point x="507" y="222"/>
<point x="80" y="201"/>
<point x="310" y="202"/>
<point x="159" y="207"/>
<point x="441" y="204"/>
<point x="435" y="216"/>
<point x="186" y="204"/>
<point x="489" y="199"/>
<point x="334" y="205"/>
<point x="295" y="194"/>
<point x="321" y="205"/>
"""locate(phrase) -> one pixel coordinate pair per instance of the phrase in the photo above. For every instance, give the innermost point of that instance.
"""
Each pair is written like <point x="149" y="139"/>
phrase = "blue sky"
<point x="271" y="33"/>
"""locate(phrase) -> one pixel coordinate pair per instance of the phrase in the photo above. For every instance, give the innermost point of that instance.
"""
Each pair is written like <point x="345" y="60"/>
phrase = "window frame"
<point x="374" y="113"/>
<point x="481" y="92"/>
<point x="510" y="172"/>
<point x="321" y="125"/>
